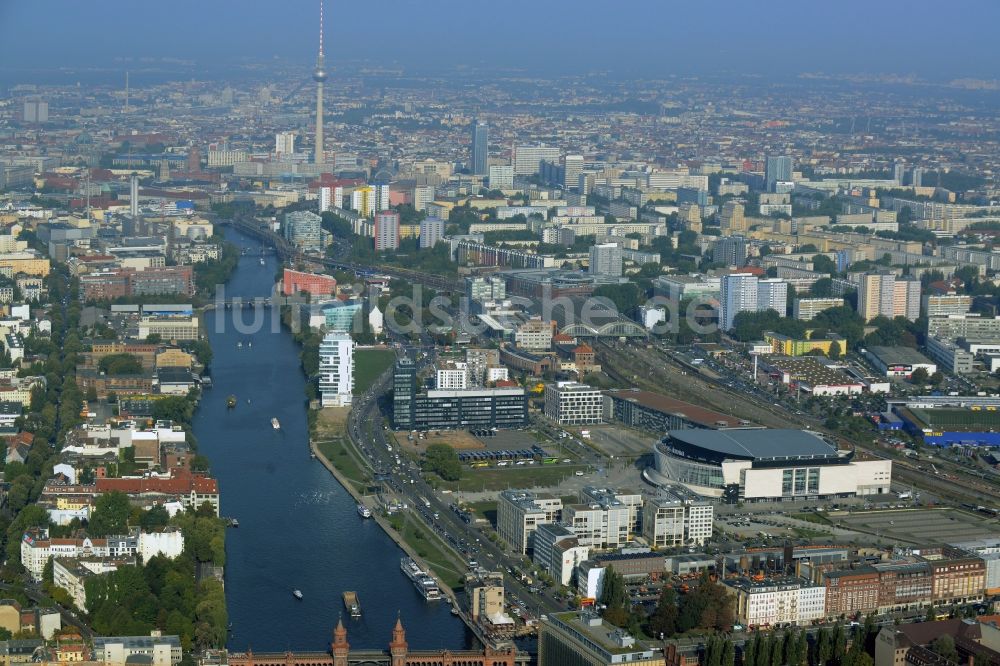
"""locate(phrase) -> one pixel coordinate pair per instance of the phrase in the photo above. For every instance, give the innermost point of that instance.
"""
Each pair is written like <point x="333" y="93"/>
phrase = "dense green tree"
<point x="824" y="264"/>
<point x="752" y="650"/>
<point x="824" y="647"/>
<point x="154" y="518"/>
<point x="443" y="461"/>
<point x="176" y="408"/>
<point x="944" y="647"/>
<point x="919" y="376"/>
<point x="839" y="643"/>
<point x="110" y="515"/>
<point x="626" y="297"/>
<point x="728" y="653"/>
<point x="663" y="620"/>
<point x="778" y="649"/>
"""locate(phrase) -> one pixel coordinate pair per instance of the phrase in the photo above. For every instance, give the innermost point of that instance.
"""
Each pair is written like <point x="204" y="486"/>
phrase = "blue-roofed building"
<point x="763" y="465"/>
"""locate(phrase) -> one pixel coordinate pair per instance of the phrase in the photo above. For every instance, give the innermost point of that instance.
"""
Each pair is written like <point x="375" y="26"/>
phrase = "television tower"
<point x="319" y="76"/>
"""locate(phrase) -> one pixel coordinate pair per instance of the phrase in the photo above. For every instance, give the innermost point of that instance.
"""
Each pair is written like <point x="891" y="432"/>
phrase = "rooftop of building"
<point x="758" y="443"/>
<point x="899" y="355"/>
<point x="526" y="498"/>
<point x="672" y="406"/>
<point x="132" y="642"/>
<point x="787" y="582"/>
<point x="807" y="370"/>
<point x="573" y="387"/>
<point x="598" y="633"/>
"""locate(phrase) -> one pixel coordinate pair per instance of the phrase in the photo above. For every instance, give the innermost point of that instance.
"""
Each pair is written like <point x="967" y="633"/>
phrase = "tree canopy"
<point x="120" y="364"/>
<point x="443" y="461"/>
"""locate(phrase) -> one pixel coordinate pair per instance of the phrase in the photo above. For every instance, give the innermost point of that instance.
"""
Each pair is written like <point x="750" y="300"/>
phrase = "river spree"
<point x="298" y="528"/>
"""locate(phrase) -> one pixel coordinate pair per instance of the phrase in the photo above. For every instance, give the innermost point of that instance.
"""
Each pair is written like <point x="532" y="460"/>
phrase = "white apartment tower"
<point x="336" y="369"/>
<point x="284" y="144"/>
<point x="606" y="259"/>
<point x="738" y="294"/>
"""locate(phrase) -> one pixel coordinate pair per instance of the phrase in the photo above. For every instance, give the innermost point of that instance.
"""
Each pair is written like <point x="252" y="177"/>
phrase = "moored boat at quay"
<point x="423" y="581"/>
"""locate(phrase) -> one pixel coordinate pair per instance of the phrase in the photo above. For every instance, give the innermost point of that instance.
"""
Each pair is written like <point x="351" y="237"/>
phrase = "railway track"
<point x="952" y="482"/>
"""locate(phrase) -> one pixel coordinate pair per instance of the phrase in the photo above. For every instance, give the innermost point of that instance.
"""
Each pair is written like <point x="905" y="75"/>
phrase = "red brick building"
<point x="852" y="591"/>
<point x="315" y="284"/>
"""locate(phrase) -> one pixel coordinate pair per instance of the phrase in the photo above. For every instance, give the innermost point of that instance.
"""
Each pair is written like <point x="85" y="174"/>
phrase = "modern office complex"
<point x="443" y="409"/>
<point x="669" y="521"/>
<point x="766" y="465"/>
<point x="572" y="403"/>
<point x="528" y="159"/>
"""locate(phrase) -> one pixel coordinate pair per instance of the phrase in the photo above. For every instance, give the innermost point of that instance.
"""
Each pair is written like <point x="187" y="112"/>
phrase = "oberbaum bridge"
<point x="398" y="654"/>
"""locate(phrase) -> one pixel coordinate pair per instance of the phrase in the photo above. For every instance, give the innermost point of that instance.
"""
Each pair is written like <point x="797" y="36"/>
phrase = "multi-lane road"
<point x="467" y="541"/>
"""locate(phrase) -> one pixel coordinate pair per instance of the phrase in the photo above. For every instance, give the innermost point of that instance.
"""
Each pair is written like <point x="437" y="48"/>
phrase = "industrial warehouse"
<point x="763" y="465"/>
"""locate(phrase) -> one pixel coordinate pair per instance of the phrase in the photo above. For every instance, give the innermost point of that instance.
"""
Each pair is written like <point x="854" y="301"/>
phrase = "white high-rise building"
<point x="501" y="177"/>
<point x="738" y="294"/>
<point x="133" y="196"/>
<point x="453" y="376"/>
<point x="605" y="259"/>
<point x="572" y="168"/>
<point x="772" y="294"/>
<point x="284" y="144"/>
<point x="431" y="232"/>
<point x="422" y="195"/>
<point x="527" y="159"/>
<point x="744" y="292"/>
<point x="35" y="111"/>
<point x="382" y="197"/>
<point x="331" y="198"/>
<point x="336" y="369"/>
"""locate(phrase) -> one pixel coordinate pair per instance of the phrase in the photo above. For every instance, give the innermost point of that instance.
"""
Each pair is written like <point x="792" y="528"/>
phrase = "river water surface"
<point x="299" y="529"/>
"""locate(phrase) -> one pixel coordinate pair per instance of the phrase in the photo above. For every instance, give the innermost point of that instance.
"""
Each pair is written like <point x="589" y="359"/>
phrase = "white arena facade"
<point x="764" y="465"/>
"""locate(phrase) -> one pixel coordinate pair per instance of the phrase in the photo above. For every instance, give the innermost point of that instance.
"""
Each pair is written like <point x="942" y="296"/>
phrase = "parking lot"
<point x="920" y="526"/>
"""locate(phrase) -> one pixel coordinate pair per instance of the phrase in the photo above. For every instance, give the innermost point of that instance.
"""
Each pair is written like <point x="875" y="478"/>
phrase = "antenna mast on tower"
<point x="319" y="76"/>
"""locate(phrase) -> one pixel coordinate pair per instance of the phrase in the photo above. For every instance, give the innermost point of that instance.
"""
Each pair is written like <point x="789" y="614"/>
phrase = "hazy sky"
<point x="649" y="37"/>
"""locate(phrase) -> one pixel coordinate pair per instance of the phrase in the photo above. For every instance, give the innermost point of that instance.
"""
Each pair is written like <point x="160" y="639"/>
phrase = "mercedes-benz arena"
<point x="762" y="465"/>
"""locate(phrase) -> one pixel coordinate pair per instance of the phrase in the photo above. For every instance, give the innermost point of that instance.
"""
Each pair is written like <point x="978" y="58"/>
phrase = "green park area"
<point x="473" y="480"/>
<point x="369" y="364"/>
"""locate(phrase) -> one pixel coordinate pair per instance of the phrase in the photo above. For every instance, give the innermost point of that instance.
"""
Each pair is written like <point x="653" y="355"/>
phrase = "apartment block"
<point x="885" y="294"/>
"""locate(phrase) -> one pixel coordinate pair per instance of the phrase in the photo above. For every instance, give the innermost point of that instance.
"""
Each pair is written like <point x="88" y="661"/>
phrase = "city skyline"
<point x="784" y="38"/>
